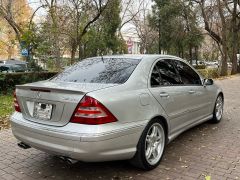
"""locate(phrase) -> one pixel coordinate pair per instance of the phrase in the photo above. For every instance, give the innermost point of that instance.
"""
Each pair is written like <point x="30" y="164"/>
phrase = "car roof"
<point x="140" y="56"/>
<point x="14" y="61"/>
<point x="10" y="65"/>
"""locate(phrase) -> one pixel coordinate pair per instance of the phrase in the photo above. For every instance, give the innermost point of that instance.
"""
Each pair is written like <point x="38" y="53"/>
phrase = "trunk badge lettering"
<point x="70" y="99"/>
<point x="38" y="95"/>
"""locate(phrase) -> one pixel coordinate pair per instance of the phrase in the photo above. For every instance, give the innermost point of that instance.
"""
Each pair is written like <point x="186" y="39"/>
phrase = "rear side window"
<point x="167" y="74"/>
<point x="99" y="70"/>
<point x="164" y="74"/>
<point x="187" y="74"/>
<point x="155" y="77"/>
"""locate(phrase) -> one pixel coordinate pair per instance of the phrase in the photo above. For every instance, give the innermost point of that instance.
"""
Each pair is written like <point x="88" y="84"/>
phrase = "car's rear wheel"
<point x="218" y="109"/>
<point x="151" y="146"/>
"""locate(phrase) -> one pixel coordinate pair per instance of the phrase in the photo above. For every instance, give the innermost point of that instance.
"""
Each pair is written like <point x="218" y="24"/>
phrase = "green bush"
<point x="9" y="80"/>
<point x="209" y="73"/>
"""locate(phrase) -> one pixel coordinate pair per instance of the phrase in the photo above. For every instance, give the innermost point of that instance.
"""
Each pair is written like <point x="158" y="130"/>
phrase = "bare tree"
<point x="130" y="9"/>
<point x="7" y="12"/>
<point x="144" y="31"/>
<point x="214" y="18"/>
<point x="52" y="8"/>
<point x="81" y="15"/>
<point x="14" y="15"/>
<point x="130" y="12"/>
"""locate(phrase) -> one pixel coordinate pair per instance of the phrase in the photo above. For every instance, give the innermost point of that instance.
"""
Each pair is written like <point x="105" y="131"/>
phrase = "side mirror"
<point x="208" y="82"/>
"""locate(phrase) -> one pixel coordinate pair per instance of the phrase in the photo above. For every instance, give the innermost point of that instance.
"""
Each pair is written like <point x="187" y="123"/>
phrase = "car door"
<point x="200" y="97"/>
<point x="172" y="95"/>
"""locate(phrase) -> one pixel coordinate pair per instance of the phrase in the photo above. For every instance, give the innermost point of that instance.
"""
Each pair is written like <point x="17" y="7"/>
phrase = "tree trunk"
<point x="190" y="54"/>
<point x="80" y="52"/>
<point x="234" y="39"/>
<point x="73" y="52"/>
<point x="234" y="54"/>
<point x="159" y="36"/>
<point x="10" y="52"/>
<point x="224" y="68"/>
<point x="196" y="54"/>
<point x="57" y="52"/>
<point x="56" y="33"/>
<point x="182" y="52"/>
<point x="179" y="53"/>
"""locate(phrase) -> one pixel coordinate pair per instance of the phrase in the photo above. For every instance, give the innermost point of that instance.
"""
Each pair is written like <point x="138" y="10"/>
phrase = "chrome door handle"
<point x="163" y="94"/>
<point x="191" y="92"/>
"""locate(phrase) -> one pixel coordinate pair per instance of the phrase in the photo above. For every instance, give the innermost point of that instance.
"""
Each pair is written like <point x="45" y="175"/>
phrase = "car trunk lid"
<point x="53" y="103"/>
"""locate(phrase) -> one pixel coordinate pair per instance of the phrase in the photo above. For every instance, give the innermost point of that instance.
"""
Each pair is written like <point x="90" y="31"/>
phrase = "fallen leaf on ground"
<point x="207" y="177"/>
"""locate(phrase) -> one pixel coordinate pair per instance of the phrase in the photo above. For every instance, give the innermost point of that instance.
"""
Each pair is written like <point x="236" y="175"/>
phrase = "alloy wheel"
<point x="219" y="108"/>
<point x="154" y="143"/>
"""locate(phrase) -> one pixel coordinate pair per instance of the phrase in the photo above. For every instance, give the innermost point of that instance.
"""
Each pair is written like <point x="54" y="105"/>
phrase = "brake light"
<point x="16" y="104"/>
<point x="91" y="111"/>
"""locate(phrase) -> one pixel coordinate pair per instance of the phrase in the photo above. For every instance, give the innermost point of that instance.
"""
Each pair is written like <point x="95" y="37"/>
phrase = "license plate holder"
<point x="42" y="111"/>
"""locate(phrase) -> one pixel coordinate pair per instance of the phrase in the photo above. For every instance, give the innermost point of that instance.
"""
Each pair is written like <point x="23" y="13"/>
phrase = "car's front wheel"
<point x="218" y="109"/>
<point x="151" y="146"/>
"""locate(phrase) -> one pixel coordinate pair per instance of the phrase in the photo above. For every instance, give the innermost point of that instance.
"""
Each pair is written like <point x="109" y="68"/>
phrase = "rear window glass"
<point x="99" y="70"/>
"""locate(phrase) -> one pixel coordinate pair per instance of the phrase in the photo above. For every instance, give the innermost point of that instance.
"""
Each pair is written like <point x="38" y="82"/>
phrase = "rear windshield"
<point x="99" y="70"/>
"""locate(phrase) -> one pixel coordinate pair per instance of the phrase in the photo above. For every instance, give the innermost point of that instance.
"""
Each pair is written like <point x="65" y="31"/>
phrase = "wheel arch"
<point x="139" y="159"/>
<point x="221" y="93"/>
<point x="165" y="123"/>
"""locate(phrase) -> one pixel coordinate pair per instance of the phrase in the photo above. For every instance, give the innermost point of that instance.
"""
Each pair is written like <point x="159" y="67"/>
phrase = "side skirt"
<point x="173" y="136"/>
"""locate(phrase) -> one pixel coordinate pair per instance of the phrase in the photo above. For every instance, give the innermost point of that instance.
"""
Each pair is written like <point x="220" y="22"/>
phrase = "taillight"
<point x="91" y="111"/>
<point x="16" y="104"/>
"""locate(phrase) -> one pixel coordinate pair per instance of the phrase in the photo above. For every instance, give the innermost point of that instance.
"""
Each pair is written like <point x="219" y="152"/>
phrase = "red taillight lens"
<point x="16" y="104"/>
<point x="91" y="111"/>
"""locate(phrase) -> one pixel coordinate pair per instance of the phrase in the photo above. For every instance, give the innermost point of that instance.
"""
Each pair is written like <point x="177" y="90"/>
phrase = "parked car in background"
<point x="4" y="68"/>
<point x="114" y="108"/>
<point x="196" y="63"/>
<point x="212" y="64"/>
<point x="13" y="65"/>
<point x="9" y="68"/>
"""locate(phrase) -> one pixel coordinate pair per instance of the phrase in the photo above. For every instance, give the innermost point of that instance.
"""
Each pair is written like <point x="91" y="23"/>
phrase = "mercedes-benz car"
<point x="115" y="108"/>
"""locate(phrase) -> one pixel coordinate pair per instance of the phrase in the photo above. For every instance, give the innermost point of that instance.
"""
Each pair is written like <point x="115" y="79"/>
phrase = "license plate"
<point x="42" y="111"/>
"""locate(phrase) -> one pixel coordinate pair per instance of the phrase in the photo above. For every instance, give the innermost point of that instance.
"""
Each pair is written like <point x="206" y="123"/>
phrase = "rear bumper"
<point x="108" y="143"/>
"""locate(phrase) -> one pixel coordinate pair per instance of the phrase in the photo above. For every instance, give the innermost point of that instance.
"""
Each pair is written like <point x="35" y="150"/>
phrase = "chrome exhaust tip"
<point x="71" y="161"/>
<point x="23" y="145"/>
<point x="68" y="160"/>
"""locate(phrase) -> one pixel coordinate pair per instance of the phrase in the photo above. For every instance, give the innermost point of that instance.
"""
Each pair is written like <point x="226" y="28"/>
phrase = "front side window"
<point x="187" y="74"/>
<point x="166" y="75"/>
<point x="99" y="70"/>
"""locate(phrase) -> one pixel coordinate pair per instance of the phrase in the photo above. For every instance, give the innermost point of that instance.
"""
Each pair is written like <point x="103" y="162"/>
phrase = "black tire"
<point x="139" y="160"/>
<point x="216" y="118"/>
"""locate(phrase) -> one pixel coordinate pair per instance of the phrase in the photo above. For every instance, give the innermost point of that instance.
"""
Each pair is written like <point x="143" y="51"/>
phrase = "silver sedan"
<point x="114" y="108"/>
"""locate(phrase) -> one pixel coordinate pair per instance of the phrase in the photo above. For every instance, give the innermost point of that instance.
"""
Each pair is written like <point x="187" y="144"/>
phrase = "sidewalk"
<point x="207" y="150"/>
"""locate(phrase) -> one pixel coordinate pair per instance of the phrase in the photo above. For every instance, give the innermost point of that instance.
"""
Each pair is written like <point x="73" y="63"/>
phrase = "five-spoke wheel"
<point x="154" y="143"/>
<point x="151" y="146"/>
<point x="218" y="109"/>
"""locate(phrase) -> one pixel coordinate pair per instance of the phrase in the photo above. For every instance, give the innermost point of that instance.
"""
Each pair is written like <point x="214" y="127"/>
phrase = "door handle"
<point x="191" y="92"/>
<point x="163" y="94"/>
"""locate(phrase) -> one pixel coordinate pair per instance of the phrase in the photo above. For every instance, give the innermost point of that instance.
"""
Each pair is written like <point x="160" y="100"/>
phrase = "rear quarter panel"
<point x="131" y="101"/>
